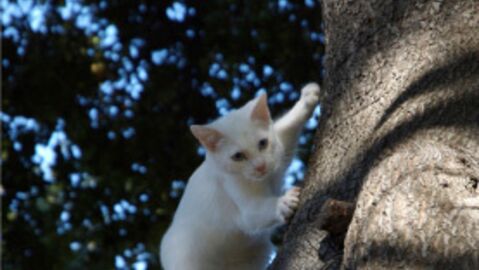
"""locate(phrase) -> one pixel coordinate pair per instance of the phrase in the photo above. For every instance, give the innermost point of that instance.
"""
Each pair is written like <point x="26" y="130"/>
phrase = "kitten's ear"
<point x="207" y="136"/>
<point x="260" y="111"/>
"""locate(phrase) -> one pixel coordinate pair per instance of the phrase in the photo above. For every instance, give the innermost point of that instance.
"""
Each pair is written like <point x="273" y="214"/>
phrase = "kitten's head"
<point x="243" y="143"/>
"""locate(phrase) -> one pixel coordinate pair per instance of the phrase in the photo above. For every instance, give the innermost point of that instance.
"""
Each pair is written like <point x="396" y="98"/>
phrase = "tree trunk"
<point x="399" y="139"/>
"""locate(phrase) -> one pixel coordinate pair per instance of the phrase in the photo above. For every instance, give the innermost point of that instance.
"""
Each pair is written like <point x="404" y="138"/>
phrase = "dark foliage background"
<point x="97" y="99"/>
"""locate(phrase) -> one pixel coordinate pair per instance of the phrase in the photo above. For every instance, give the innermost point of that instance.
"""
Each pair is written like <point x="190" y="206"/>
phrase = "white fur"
<point x="228" y="210"/>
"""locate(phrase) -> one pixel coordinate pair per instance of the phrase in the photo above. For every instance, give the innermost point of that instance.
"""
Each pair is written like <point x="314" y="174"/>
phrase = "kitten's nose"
<point x="261" y="168"/>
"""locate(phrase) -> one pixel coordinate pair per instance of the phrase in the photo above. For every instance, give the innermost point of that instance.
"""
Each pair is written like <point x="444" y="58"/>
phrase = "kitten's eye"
<point x="238" y="156"/>
<point x="262" y="144"/>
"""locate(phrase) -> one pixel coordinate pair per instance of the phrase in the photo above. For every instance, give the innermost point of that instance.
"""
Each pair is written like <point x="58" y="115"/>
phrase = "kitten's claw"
<point x="288" y="203"/>
<point x="310" y="94"/>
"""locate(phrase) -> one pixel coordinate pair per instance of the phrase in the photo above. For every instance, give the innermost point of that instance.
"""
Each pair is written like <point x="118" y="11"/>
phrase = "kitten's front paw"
<point x="310" y="94"/>
<point x="288" y="203"/>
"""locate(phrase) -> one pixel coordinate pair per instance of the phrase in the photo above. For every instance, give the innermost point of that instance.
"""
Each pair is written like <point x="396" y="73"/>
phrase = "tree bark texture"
<point x="399" y="138"/>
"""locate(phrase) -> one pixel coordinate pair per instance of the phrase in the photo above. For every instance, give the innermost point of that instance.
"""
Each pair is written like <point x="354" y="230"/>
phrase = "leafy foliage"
<point x="97" y="99"/>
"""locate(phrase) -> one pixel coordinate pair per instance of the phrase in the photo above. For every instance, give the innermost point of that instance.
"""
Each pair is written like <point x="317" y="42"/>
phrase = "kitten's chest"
<point x="214" y="207"/>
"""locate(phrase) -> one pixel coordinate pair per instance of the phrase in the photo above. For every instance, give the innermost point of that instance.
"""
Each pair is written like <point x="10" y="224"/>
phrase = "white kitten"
<point x="234" y="200"/>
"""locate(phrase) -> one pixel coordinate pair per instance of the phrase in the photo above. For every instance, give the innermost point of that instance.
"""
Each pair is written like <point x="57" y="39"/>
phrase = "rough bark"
<point x="399" y="138"/>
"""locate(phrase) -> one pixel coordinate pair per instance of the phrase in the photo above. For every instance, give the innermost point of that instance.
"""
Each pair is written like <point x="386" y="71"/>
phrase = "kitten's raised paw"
<point x="288" y="203"/>
<point x="310" y="94"/>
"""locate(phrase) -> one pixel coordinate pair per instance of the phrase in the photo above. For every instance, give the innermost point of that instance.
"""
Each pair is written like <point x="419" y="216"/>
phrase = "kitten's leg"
<point x="191" y="263"/>
<point x="254" y="216"/>
<point x="184" y="263"/>
<point x="288" y="203"/>
<point x="258" y="213"/>
<point x="290" y="125"/>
